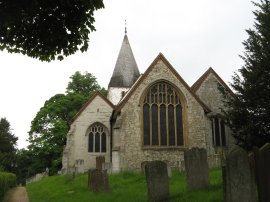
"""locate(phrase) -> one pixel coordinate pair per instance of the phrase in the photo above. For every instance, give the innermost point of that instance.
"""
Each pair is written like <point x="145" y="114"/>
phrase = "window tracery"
<point x="97" y="138"/>
<point x="162" y="116"/>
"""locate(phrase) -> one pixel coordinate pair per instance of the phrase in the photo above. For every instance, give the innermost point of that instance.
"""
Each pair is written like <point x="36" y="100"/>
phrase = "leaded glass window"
<point x="218" y="130"/>
<point x="97" y="138"/>
<point x="162" y="116"/>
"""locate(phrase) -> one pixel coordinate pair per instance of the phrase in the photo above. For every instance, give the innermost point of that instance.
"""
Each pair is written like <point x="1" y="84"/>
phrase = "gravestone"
<point x="169" y="169"/>
<point x="196" y="168"/>
<point x="100" y="160"/>
<point x="143" y="166"/>
<point x="157" y="181"/>
<point x="98" y="180"/>
<point x="79" y="166"/>
<point x="108" y="167"/>
<point x="262" y="167"/>
<point x="181" y="166"/>
<point x="238" y="180"/>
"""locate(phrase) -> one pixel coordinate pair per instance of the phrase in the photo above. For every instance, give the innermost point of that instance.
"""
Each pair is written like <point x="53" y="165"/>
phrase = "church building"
<point x="155" y="115"/>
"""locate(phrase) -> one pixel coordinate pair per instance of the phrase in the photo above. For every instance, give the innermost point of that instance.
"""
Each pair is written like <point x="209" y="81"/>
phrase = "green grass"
<point x="125" y="187"/>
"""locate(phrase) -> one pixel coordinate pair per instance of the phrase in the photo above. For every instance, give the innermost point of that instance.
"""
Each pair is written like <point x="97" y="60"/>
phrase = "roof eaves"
<point x="88" y="102"/>
<point x="199" y="82"/>
<point x="149" y="69"/>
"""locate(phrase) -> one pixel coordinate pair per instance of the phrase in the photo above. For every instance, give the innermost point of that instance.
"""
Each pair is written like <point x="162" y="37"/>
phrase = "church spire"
<point x="126" y="71"/>
<point x="125" y="27"/>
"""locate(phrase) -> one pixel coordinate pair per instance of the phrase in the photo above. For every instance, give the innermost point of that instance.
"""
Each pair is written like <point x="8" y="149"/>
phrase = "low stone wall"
<point x="36" y="177"/>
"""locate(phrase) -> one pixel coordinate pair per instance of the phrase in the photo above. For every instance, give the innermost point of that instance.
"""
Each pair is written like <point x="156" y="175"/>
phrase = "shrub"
<point x="7" y="181"/>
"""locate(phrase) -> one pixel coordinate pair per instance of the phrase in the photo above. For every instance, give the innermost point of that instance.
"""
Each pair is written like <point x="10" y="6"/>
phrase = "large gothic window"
<point x="162" y="116"/>
<point x="97" y="138"/>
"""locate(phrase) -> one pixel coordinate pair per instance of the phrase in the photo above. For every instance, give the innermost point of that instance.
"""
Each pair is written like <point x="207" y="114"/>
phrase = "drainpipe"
<point x="112" y="119"/>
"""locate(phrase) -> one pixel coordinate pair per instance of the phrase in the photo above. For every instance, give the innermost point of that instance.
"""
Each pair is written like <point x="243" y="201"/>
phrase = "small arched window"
<point x="162" y="116"/>
<point x="218" y="131"/>
<point x="97" y="138"/>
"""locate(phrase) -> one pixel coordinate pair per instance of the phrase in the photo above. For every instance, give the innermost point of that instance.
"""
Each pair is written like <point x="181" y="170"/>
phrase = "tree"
<point x="47" y="29"/>
<point x="47" y="136"/>
<point x="8" y="143"/>
<point x="83" y="84"/>
<point x="248" y="111"/>
<point x="24" y="160"/>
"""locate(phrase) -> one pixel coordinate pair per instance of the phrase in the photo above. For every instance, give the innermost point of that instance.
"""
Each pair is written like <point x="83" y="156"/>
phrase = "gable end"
<point x="88" y="103"/>
<point x="141" y="79"/>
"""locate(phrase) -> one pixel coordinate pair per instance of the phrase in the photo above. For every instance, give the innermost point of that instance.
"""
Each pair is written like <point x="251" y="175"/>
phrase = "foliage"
<point x="8" y="143"/>
<point x="47" y="136"/>
<point x="47" y="29"/>
<point x="24" y="159"/>
<point x="49" y="128"/>
<point x="125" y="186"/>
<point x="249" y="110"/>
<point x="7" y="181"/>
<point x="82" y="84"/>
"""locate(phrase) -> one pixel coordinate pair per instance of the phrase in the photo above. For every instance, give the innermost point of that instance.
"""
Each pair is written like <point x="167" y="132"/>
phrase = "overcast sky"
<point x="192" y="35"/>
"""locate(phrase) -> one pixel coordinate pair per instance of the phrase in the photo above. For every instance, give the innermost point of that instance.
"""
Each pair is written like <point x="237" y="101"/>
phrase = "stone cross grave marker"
<point x="98" y="180"/>
<point x="238" y="180"/>
<point x="196" y="168"/>
<point x="157" y="180"/>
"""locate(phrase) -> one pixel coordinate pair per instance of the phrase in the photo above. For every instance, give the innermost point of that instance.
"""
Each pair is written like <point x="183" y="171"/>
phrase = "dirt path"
<point x="17" y="194"/>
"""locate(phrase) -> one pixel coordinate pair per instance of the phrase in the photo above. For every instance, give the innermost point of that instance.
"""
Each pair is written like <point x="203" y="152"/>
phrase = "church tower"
<point x="125" y="73"/>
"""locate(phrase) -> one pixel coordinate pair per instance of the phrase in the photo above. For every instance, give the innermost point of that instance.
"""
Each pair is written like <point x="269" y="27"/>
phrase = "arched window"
<point x="162" y="116"/>
<point x="97" y="138"/>
<point x="218" y="131"/>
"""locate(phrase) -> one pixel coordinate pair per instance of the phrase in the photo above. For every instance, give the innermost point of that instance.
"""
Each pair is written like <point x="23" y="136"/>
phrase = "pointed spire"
<point x="125" y="27"/>
<point x="126" y="71"/>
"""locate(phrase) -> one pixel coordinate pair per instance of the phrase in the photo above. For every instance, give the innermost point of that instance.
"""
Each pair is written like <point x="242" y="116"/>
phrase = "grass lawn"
<point x="125" y="187"/>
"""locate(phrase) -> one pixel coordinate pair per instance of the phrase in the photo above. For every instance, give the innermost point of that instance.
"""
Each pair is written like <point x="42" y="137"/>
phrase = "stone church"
<point x="155" y="115"/>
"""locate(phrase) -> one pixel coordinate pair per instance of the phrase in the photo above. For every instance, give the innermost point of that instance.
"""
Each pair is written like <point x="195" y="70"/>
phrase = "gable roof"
<point x="88" y="103"/>
<point x="126" y="71"/>
<point x="150" y="68"/>
<point x="199" y="82"/>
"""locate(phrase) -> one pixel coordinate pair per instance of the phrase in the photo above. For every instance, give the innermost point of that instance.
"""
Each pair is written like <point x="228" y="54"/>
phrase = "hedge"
<point x="7" y="181"/>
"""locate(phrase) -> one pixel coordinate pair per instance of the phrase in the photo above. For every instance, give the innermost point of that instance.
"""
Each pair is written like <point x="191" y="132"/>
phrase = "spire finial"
<point x="125" y="26"/>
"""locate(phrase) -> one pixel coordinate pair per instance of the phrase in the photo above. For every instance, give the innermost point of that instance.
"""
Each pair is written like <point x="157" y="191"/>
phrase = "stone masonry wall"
<point x="211" y="96"/>
<point x="132" y="152"/>
<point x="97" y="111"/>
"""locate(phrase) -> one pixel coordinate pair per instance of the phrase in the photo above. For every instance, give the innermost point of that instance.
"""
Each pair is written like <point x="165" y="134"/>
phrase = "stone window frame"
<point x="99" y="130"/>
<point x="218" y="131"/>
<point x="182" y="102"/>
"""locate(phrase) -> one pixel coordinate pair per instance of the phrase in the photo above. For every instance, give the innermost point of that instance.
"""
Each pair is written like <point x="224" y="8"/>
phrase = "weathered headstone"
<point x="181" y="166"/>
<point x="100" y="160"/>
<point x="196" y="167"/>
<point x="143" y="166"/>
<point x="79" y="166"/>
<point x="262" y="167"/>
<point x="108" y="167"/>
<point x="169" y="169"/>
<point x="157" y="181"/>
<point x="238" y="180"/>
<point x="98" y="180"/>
